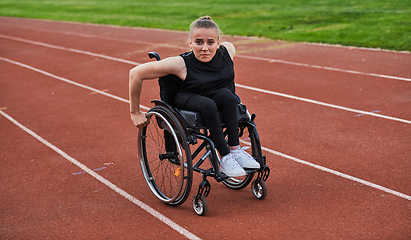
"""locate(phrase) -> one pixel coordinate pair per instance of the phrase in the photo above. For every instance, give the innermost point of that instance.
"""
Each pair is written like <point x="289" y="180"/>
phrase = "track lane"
<point x="291" y="193"/>
<point x="301" y="225"/>
<point x="46" y="201"/>
<point x="320" y="141"/>
<point x="324" y="84"/>
<point x="392" y="103"/>
<point x="83" y="131"/>
<point x="369" y="152"/>
<point x="356" y="59"/>
<point x="150" y="94"/>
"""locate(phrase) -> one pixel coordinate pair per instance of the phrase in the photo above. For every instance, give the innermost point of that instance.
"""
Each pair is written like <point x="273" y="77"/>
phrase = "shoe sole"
<point x="235" y="175"/>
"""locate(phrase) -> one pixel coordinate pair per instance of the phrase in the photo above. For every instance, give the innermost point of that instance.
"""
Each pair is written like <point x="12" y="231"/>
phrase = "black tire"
<point x="259" y="189"/>
<point x="200" y="205"/>
<point x="165" y="157"/>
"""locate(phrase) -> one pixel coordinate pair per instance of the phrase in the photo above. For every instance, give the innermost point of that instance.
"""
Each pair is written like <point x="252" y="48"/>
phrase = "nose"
<point x="205" y="47"/>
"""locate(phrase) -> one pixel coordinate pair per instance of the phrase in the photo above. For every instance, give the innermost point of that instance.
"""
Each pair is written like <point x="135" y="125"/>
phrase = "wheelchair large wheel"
<point x="249" y="140"/>
<point x="165" y="157"/>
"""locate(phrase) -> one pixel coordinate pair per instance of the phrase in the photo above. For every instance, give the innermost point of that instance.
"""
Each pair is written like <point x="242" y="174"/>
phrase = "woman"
<point x="208" y="87"/>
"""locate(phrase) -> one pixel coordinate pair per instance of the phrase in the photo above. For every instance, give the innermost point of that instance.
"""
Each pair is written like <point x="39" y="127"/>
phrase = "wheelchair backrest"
<point x="169" y="86"/>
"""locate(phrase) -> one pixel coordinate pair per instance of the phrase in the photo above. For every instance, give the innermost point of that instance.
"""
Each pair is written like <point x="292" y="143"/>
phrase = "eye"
<point x="211" y="42"/>
<point x="199" y="42"/>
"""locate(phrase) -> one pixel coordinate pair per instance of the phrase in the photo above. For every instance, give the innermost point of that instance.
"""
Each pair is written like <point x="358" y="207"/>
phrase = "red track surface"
<point x="358" y="187"/>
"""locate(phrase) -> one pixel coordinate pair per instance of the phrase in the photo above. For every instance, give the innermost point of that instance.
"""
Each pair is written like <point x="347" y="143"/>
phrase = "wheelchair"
<point x="176" y="143"/>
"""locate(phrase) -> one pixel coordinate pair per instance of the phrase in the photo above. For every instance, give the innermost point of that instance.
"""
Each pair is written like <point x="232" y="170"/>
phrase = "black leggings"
<point x="209" y="106"/>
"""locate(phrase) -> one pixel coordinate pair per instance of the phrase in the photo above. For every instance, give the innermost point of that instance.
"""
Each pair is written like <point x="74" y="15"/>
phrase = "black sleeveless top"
<point x="206" y="78"/>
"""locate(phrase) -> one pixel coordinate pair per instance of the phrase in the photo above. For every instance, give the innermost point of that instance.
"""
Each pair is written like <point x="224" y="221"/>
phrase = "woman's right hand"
<point x="139" y="119"/>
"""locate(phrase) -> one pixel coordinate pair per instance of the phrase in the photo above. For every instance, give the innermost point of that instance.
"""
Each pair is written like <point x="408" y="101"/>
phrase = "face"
<point x="204" y="43"/>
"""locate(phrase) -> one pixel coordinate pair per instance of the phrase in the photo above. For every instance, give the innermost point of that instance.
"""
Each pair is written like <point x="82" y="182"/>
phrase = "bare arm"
<point x="230" y="48"/>
<point x="150" y="70"/>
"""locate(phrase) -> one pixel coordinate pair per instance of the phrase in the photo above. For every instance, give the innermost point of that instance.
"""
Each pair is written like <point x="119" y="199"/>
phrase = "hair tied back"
<point x="206" y="18"/>
<point x="204" y="22"/>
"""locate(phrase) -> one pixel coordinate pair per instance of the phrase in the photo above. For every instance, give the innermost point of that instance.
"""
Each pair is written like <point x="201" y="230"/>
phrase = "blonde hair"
<point x="204" y="22"/>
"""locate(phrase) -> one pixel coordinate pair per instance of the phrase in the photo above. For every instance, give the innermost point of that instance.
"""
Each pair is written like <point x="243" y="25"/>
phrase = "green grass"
<point x="362" y="23"/>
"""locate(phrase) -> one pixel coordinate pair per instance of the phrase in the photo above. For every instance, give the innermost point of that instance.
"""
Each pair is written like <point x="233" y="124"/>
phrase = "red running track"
<point x="335" y="124"/>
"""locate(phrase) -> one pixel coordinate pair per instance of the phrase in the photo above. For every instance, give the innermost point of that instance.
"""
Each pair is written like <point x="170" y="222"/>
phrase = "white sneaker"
<point x="244" y="159"/>
<point x="230" y="167"/>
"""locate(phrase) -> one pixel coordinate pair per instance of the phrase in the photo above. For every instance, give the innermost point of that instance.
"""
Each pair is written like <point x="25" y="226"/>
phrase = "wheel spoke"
<point x="163" y="156"/>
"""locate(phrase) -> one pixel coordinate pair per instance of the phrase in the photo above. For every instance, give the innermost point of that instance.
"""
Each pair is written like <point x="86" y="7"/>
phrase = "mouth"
<point x="204" y="57"/>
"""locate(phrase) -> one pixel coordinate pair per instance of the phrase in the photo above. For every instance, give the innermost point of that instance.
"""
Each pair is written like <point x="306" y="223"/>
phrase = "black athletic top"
<point x="205" y="78"/>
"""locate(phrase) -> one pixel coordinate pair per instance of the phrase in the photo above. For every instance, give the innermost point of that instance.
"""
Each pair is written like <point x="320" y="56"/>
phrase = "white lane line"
<point x="340" y="174"/>
<point x="86" y="35"/>
<point x="168" y="31"/>
<point x="69" y="49"/>
<point x="325" y="68"/>
<point x="69" y="81"/>
<point x="323" y="104"/>
<point x="328" y="170"/>
<point x="271" y="60"/>
<point x="106" y="182"/>
<point x="264" y="148"/>
<point x="239" y="85"/>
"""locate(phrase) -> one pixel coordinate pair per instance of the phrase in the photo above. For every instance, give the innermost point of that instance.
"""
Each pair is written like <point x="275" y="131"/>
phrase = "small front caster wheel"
<point x="259" y="189"/>
<point x="200" y="205"/>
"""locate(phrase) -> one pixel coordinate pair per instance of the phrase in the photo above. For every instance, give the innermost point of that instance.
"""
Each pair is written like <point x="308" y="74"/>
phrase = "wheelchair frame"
<point x="167" y="162"/>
